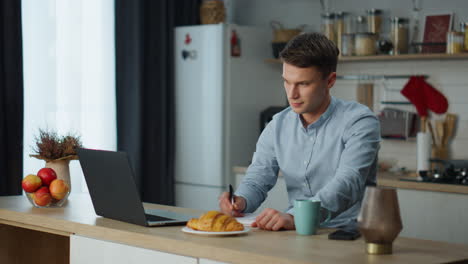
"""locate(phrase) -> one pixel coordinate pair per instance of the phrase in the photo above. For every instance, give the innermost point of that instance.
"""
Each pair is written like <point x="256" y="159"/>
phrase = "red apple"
<point x="47" y="175"/>
<point x="42" y="196"/>
<point x="59" y="189"/>
<point x="31" y="183"/>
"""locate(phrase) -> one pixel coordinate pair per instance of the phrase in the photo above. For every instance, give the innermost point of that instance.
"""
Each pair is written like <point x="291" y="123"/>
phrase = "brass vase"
<point x="379" y="220"/>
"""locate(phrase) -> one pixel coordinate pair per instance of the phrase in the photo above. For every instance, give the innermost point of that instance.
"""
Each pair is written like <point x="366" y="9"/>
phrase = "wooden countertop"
<point x="258" y="246"/>
<point x="393" y="180"/>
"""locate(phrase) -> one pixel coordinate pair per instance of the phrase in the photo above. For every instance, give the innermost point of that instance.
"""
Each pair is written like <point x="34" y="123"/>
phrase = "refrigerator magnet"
<point x="235" y="44"/>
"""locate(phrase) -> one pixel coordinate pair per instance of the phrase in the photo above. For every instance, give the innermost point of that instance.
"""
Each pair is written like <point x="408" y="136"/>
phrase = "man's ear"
<point x="331" y="80"/>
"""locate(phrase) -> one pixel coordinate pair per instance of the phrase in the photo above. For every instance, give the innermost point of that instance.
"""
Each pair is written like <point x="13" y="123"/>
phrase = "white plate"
<point x="205" y="233"/>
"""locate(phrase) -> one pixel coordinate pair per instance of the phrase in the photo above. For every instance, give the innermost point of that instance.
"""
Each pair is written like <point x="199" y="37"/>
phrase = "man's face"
<point x="306" y="89"/>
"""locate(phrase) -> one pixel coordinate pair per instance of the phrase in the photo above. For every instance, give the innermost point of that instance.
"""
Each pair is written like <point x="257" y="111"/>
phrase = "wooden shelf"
<point x="403" y="57"/>
<point x="428" y="56"/>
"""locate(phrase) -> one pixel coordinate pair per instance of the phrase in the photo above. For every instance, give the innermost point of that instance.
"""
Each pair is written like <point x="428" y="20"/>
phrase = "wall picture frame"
<point x="435" y="28"/>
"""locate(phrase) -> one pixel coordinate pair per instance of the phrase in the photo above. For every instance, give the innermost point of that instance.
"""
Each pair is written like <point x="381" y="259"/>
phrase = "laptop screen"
<point x="111" y="185"/>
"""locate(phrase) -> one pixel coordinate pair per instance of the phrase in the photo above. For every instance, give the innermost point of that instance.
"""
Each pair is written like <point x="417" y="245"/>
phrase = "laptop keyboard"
<point x="150" y="217"/>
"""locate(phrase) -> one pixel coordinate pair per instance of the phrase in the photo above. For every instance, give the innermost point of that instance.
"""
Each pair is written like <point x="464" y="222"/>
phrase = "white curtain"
<point x="69" y="75"/>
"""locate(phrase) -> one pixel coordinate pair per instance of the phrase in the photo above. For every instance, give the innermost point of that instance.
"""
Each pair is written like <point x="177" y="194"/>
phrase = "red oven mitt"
<point x="414" y="91"/>
<point x="424" y="96"/>
<point x="435" y="100"/>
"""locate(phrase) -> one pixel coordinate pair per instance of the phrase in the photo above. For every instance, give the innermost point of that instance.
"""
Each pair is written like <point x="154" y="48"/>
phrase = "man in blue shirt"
<point x="326" y="148"/>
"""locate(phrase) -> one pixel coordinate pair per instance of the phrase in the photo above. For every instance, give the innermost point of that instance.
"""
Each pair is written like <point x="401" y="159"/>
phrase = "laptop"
<point x="114" y="193"/>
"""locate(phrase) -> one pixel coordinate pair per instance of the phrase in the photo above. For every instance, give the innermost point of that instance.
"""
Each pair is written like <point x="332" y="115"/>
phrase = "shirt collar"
<point x="322" y="118"/>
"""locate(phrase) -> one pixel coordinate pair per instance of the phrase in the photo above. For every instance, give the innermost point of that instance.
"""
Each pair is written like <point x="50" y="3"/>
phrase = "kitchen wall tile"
<point x="459" y="148"/>
<point x="449" y="77"/>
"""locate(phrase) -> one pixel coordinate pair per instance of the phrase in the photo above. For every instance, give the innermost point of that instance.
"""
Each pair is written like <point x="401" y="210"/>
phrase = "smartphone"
<point x="342" y="234"/>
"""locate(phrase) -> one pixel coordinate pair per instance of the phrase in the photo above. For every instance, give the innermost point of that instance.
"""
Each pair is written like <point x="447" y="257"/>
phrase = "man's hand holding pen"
<point x="231" y="204"/>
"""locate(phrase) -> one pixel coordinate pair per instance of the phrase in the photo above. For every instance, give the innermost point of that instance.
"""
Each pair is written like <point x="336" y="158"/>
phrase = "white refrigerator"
<point x="218" y="100"/>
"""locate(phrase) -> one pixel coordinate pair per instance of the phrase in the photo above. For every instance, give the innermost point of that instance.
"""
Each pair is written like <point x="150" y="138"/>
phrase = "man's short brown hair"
<point x="311" y="49"/>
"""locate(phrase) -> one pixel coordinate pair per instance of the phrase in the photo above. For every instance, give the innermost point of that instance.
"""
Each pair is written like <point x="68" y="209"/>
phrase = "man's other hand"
<point x="273" y="220"/>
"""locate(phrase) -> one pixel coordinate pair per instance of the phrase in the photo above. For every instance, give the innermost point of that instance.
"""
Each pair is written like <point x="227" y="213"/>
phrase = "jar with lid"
<point x="374" y="20"/>
<point x="454" y="42"/>
<point x="399" y="35"/>
<point x="365" y="44"/>
<point x="361" y="24"/>
<point x="344" y="22"/>
<point x="342" y="26"/>
<point x="347" y="44"/>
<point x="464" y="26"/>
<point x="328" y="26"/>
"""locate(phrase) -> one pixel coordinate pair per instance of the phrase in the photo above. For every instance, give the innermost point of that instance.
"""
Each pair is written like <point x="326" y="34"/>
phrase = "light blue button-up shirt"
<point x="332" y="160"/>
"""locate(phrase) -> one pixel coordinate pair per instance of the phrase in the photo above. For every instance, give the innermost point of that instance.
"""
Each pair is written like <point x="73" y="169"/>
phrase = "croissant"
<point x="214" y="221"/>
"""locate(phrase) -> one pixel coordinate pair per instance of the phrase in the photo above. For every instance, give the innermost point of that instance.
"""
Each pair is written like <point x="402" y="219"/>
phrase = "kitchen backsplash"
<point x="448" y="76"/>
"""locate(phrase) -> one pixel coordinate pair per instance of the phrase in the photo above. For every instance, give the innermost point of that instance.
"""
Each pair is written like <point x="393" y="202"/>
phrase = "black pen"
<point x="231" y="196"/>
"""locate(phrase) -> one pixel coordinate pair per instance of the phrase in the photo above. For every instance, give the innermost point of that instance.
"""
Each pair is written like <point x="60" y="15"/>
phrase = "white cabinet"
<point x="84" y="250"/>
<point x="434" y="215"/>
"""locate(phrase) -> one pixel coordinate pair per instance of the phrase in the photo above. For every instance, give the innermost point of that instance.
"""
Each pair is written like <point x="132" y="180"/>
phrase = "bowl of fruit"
<point x="44" y="189"/>
<point x="51" y="185"/>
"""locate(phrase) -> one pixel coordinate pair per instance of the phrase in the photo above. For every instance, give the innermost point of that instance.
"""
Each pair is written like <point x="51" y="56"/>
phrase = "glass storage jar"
<point x="374" y="20"/>
<point x="365" y="44"/>
<point x="399" y="35"/>
<point x="328" y="26"/>
<point x="347" y="44"/>
<point x="465" y="32"/>
<point x="361" y="24"/>
<point x="342" y="26"/>
<point x="454" y="42"/>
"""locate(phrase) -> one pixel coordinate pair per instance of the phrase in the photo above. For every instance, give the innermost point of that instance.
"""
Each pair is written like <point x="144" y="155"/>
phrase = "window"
<point x="69" y="75"/>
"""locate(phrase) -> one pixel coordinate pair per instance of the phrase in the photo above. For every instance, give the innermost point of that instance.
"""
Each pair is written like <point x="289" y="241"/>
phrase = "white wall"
<point x="450" y="77"/>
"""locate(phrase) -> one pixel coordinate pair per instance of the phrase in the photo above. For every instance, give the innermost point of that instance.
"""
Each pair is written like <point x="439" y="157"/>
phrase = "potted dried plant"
<point x="57" y="151"/>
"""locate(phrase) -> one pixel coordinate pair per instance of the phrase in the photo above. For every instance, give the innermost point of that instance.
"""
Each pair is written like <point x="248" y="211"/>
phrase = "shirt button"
<point x="305" y="184"/>
<point x="305" y="161"/>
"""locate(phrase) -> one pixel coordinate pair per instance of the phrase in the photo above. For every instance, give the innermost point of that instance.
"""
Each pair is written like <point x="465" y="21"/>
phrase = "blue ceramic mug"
<point x="307" y="216"/>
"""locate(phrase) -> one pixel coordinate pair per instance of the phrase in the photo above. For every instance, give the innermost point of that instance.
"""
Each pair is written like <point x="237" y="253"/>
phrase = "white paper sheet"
<point x="247" y="219"/>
